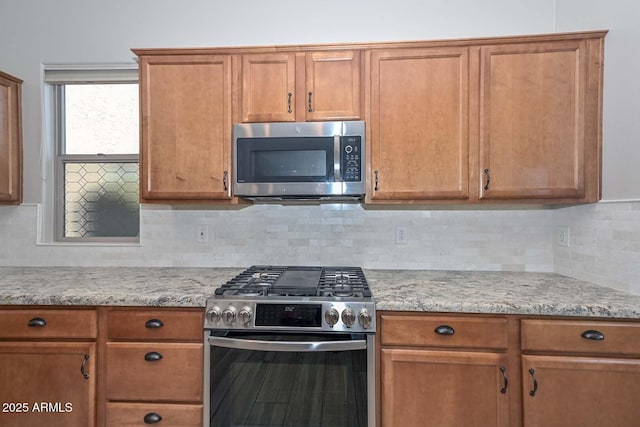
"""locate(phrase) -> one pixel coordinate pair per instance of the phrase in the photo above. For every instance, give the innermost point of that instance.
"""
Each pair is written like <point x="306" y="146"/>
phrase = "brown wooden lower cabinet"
<point x="153" y="367"/>
<point x="561" y="391"/>
<point x="447" y="371"/>
<point x="443" y="388"/>
<point x="444" y="370"/>
<point x="47" y="384"/>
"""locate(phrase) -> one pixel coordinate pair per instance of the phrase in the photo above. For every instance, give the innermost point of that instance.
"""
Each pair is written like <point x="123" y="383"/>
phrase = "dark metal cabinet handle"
<point x="154" y="324"/>
<point x="153" y="356"/>
<point x="444" y="330"/>
<point x="592" y="334"/>
<point x="533" y="391"/>
<point x="225" y="175"/>
<point x="487" y="179"/>
<point x="376" y="180"/>
<point x="37" y="322"/>
<point x="289" y="95"/>
<point x="310" y="109"/>
<point x="505" y="384"/>
<point x="152" y="418"/>
<point x="83" y="371"/>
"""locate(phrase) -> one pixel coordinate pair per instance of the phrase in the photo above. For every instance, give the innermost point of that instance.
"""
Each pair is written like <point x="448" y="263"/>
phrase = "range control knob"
<point x="213" y="314"/>
<point x="365" y="319"/>
<point x="331" y="316"/>
<point x="229" y="315"/>
<point x="348" y="317"/>
<point x="245" y="314"/>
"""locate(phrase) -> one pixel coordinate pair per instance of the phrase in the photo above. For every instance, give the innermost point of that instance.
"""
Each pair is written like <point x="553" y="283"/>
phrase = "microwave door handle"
<point x="302" y="346"/>
<point x="337" y="177"/>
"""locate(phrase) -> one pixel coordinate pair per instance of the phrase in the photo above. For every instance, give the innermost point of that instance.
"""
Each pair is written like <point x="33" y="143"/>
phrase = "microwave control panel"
<point x="351" y="158"/>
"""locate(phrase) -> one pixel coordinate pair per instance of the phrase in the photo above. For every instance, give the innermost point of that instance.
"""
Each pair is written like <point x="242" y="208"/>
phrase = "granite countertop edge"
<point x="473" y="292"/>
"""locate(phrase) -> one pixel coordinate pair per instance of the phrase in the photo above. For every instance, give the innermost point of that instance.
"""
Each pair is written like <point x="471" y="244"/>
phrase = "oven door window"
<point x="251" y="388"/>
<point x="266" y="160"/>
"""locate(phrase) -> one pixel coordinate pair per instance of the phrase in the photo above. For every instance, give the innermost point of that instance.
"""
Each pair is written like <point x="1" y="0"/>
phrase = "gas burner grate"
<point x="295" y="281"/>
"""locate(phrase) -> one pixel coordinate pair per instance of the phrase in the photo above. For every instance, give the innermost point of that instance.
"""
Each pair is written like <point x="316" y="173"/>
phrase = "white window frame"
<point x="56" y="77"/>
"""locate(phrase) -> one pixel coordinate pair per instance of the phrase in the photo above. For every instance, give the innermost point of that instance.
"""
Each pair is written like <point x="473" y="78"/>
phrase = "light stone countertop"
<point x="400" y="290"/>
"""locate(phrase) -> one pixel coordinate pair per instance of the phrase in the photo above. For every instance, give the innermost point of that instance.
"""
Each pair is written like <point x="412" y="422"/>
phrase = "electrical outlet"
<point x="202" y="234"/>
<point x="562" y="236"/>
<point x="401" y="235"/>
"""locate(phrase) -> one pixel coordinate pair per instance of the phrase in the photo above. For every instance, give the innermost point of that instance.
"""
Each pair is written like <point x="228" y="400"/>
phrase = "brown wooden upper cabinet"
<point x="186" y="127"/>
<point x="419" y="124"/>
<point x="487" y="121"/>
<point x="10" y="140"/>
<point x="301" y="86"/>
<point x="539" y="120"/>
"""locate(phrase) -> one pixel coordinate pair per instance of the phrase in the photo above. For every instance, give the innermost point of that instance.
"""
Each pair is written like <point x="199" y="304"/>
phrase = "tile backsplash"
<point x="604" y="244"/>
<point x="604" y="240"/>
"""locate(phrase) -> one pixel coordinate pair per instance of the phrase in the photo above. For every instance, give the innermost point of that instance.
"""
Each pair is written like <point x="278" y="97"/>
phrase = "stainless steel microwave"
<point x="310" y="160"/>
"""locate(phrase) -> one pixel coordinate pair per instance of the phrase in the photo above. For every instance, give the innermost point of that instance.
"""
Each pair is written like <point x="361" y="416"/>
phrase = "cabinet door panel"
<point x="186" y="127"/>
<point x="444" y="389"/>
<point x="332" y="85"/>
<point x="47" y="378"/>
<point x="532" y="140"/>
<point x="420" y="124"/>
<point x="10" y="140"/>
<point x="268" y="87"/>
<point x="580" y="391"/>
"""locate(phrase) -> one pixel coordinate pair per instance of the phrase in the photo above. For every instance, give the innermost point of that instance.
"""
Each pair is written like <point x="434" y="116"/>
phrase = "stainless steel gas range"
<point x="291" y="346"/>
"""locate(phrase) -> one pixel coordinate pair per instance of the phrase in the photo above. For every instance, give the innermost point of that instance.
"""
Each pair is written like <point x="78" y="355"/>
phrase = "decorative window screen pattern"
<point x="101" y="199"/>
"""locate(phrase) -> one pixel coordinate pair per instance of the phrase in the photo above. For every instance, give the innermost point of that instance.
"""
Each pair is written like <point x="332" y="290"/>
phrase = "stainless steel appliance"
<point x="310" y="160"/>
<point x="291" y="346"/>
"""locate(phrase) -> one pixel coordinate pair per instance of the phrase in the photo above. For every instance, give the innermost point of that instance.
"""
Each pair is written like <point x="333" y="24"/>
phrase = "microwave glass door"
<point x="296" y="159"/>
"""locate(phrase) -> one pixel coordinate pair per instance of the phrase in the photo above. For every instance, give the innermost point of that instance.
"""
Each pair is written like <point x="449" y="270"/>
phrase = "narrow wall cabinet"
<point x="539" y="120"/>
<point x="185" y="107"/>
<point x="419" y="124"/>
<point x="10" y="139"/>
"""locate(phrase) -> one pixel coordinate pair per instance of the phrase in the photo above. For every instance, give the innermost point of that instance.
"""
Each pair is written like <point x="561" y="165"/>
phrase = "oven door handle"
<point x="295" y="346"/>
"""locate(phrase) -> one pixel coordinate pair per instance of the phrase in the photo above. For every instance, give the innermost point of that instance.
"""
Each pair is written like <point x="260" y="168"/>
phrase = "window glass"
<point x="101" y="118"/>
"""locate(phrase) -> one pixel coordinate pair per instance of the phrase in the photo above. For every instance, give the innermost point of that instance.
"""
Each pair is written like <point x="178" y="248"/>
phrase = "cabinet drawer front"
<point x="440" y="331"/>
<point x="133" y="414"/>
<point x="581" y="336"/>
<point x="175" y="375"/>
<point x="48" y="323"/>
<point x="155" y="325"/>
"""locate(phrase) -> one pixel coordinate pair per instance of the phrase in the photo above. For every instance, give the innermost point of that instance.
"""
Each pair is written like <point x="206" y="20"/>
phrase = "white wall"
<point x="36" y="32"/>
<point x="621" y="134"/>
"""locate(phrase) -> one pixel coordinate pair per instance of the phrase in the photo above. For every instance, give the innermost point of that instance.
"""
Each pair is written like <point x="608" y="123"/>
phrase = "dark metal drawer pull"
<point x="444" y="330"/>
<point x="532" y="372"/>
<point x="152" y="356"/>
<point x="505" y="384"/>
<point x="592" y="334"/>
<point x="154" y="323"/>
<point x="37" y="322"/>
<point x="84" y="373"/>
<point x="152" y="418"/>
